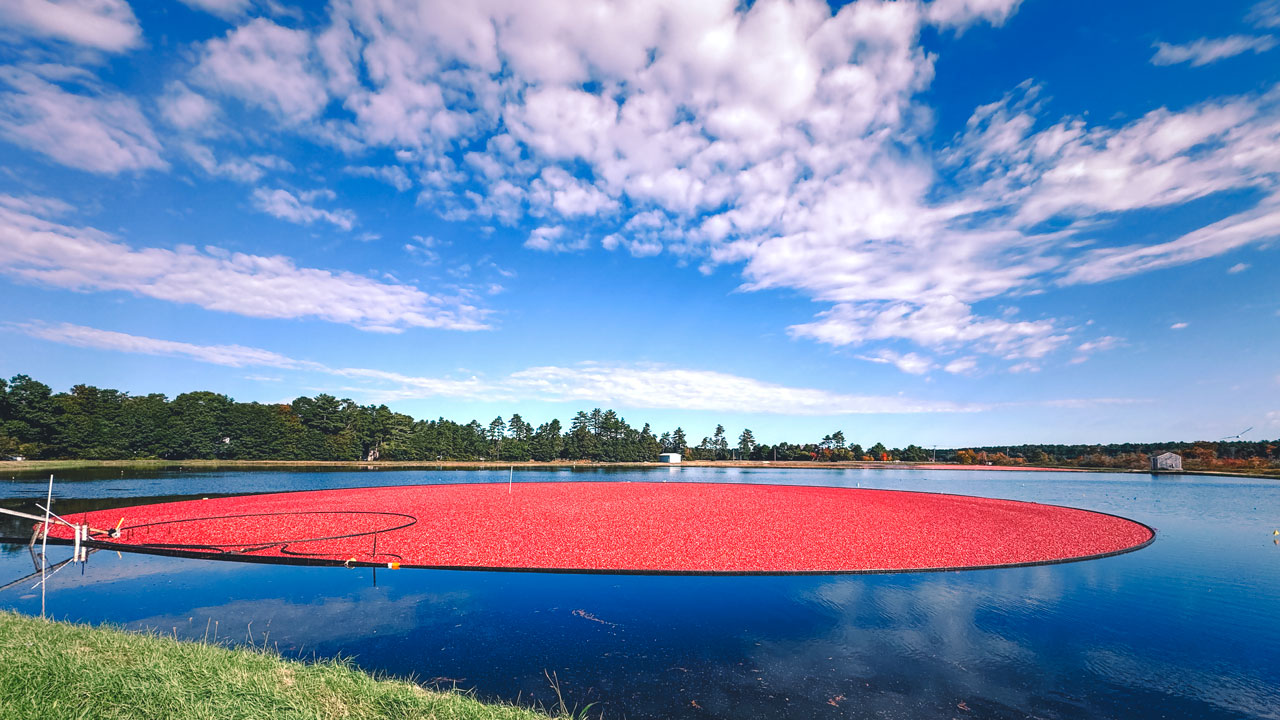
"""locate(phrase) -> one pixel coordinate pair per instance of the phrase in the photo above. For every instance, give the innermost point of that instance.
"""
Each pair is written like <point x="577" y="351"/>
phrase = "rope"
<point x="282" y="545"/>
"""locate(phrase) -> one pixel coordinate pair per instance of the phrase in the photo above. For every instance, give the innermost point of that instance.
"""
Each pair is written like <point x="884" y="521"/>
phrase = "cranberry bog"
<point x="617" y="527"/>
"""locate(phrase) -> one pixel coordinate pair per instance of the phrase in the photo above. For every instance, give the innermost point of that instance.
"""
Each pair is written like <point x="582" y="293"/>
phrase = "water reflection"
<point x="322" y="622"/>
<point x="1183" y="629"/>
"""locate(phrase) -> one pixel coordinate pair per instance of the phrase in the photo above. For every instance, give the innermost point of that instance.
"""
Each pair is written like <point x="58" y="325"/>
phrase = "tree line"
<point x="1199" y="455"/>
<point x="87" y="422"/>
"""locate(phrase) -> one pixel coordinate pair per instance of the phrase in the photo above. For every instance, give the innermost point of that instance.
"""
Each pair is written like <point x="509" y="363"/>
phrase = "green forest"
<point x="92" y="423"/>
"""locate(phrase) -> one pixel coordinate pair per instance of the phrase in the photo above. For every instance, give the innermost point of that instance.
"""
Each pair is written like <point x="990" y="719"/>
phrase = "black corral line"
<point x="216" y="552"/>
<point x="303" y="560"/>
<point x="229" y="548"/>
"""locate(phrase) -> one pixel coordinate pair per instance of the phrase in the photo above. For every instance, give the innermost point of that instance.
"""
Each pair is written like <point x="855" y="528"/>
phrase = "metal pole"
<point x="44" y="544"/>
<point x="55" y="516"/>
<point x="48" y="505"/>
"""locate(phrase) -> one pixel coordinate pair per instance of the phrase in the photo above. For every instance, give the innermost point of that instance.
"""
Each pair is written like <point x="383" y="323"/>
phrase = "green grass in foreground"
<point x="59" y="670"/>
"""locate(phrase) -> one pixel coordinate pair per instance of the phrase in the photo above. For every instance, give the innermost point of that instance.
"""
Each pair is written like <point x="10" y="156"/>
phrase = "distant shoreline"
<point x="56" y="465"/>
<point x="494" y="464"/>
<point x="30" y="465"/>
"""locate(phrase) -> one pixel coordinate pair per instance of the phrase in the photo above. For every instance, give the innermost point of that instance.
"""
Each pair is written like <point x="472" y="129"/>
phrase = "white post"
<point x="44" y="543"/>
<point x="75" y="547"/>
<point x="511" y="477"/>
<point x="48" y="505"/>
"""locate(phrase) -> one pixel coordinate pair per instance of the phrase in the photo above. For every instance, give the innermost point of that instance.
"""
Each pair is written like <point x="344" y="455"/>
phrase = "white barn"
<point x="1166" y="462"/>
<point x="669" y="458"/>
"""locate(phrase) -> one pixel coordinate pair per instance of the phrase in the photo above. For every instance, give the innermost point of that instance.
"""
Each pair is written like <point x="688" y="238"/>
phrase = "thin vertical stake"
<point x="44" y="543"/>
<point x="511" y="478"/>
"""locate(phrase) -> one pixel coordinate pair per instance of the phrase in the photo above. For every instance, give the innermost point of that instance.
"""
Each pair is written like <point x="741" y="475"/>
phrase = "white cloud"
<point x="910" y="363"/>
<point x="1259" y="223"/>
<point x="559" y="190"/>
<point x="298" y="209"/>
<point x="80" y="258"/>
<point x="1178" y="326"/>
<point x="683" y="389"/>
<point x="1206" y="50"/>
<point x="266" y="65"/>
<point x="621" y="386"/>
<point x="643" y="235"/>
<point x="424" y="247"/>
<point x="409" y="386"/>
<point x="637" y="246"/>
<point x="226" y="9"/>
<point x="228" y="355"/>
<point x="961" y="13"/>
<point x="768" y="134"/>
<point x="36" y="205"/>
<point x="552" y="239"/>
<point x="1071" y="172"/>
<point x="961" y="366"/>
<point x="245" y="170"/>
<point x="946" y="324"/>
<point x="392" y="175"/>
<point x="1237" y="268"/>
<point x="1265" y="14"/>
<point x="101" y="133"/>
<point x="779" y="137"/>
<point x="1081" y="403"/>
<point x="1102" y="344"/>
<point x="236" y="356"/>
<point x="185" y="109"/>
<point x="107" y="25"/>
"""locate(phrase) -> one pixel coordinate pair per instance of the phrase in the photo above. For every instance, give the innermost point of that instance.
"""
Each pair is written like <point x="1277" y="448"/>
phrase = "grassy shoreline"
<point x="56" y="669"/>
<point x="56" y="465"/>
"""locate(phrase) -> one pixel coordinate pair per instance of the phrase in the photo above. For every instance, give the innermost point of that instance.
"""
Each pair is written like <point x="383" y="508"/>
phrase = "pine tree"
<point x="580" y="442"/>
<point x="720" y="444"/>
<point x="678" y="442"/>
<point x="547" y="442"/>
<point x="649" y="446"/>
<point x="497" y="431"/>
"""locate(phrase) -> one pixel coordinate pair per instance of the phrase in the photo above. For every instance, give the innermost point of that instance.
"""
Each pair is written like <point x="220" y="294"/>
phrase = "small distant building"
<point x="669" y="458"/>
<point x="1166" y="462"/>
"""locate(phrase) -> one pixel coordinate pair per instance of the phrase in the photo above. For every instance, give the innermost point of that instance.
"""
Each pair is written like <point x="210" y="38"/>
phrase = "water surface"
<point x="1185" y="628"/>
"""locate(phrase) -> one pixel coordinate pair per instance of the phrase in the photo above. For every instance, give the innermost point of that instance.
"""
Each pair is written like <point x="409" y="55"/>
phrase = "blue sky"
<point x="957" y="222"/>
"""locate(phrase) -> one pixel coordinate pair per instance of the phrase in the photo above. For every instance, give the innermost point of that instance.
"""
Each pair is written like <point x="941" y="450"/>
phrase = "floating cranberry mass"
<point x="619" y="527"/>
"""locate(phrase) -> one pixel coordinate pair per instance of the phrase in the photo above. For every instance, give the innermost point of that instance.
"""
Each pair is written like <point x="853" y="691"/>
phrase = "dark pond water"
<point x="1188" y="627"/>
